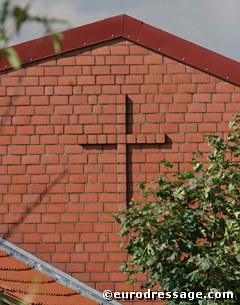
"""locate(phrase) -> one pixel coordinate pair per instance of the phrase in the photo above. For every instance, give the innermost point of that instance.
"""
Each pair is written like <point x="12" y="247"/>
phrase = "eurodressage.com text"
<point x="151" y="295"/>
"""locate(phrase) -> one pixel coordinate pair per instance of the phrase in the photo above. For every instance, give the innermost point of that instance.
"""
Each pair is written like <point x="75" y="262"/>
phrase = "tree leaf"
<point x="12" y="56"/>
<point x="142" y="184"/>
<point x="57" y="39"/>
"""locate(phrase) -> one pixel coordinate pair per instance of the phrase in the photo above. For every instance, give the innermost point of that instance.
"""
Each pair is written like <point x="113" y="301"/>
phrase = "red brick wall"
<point x="50" y="109"/>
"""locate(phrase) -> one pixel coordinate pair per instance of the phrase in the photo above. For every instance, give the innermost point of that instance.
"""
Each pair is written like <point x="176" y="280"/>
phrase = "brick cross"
<point x="122" y="139"/>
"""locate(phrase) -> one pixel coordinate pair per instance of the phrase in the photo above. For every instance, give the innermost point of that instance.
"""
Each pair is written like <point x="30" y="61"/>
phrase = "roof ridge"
<point x="136" y="31"/>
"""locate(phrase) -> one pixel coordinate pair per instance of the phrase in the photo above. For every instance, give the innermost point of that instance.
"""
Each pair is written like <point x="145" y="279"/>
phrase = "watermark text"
<point x="153" y="296"/>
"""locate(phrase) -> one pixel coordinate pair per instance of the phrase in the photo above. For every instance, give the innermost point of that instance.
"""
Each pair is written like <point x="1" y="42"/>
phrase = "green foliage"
<point x="12" y="56"/>
<point x="185" y="234"/>
<point x="12" y="19"/>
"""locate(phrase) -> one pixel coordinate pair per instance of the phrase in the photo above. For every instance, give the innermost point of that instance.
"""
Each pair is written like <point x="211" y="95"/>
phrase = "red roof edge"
<point x="138" y="32"/>
<point x="182" y="50"/>
<point x="73" y="39"/>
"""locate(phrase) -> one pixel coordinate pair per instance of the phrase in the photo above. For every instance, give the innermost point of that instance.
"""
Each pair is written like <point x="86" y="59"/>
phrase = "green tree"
<point x="184" y="234"/>
<point x="12" y="19"/>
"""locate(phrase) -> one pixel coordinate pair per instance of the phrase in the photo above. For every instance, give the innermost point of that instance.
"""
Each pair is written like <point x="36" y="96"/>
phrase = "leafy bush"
<point x="185" y="234"/>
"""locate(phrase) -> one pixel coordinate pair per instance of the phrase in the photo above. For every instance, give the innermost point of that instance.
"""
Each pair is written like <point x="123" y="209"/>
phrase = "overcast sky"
<point x="214" y="24"/>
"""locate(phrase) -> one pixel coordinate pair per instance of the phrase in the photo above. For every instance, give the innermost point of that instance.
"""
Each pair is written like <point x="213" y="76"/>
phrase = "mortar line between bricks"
<point x="127" y="131"/>
<point x="121" y="150"/>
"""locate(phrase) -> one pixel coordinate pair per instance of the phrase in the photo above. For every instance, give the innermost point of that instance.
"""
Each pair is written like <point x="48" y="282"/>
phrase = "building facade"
<point x="82" y="127"/>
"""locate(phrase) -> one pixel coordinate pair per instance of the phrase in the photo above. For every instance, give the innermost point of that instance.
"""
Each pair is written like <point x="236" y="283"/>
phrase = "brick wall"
<point x="61" y="119"/>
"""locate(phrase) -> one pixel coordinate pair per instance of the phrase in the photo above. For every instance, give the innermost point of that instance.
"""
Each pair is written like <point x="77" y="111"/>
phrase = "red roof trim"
<point x="139" y="33"/>
<point x="77" y="38"/>
<point x="184" y="51"/>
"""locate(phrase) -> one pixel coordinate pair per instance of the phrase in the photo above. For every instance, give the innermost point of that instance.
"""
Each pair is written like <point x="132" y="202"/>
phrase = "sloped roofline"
<point x="138" y="32"/>
<point x="58" y="275"/>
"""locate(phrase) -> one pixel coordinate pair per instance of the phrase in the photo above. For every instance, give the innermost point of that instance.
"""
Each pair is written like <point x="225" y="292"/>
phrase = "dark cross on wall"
<point x="123" y="139"/>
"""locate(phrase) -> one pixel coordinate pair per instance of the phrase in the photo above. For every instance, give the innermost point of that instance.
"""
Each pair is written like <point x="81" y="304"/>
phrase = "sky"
<point x="214" y="24"/>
